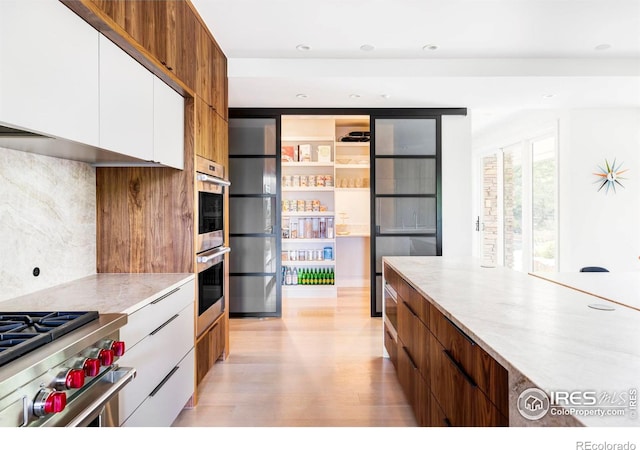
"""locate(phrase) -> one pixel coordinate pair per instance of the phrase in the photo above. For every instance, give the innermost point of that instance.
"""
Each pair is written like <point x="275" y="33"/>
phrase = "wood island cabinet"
<point x="448" y="379"/>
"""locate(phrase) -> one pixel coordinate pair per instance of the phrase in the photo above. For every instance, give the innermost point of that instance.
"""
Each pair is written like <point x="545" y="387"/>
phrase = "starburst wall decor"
<point x="609" y="176"/>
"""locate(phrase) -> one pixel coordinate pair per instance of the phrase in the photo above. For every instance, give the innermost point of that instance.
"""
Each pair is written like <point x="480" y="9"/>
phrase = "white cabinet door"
<point x="168" y="125"/>
<point x="126" y="103"/>
<point x="48" y="70"/>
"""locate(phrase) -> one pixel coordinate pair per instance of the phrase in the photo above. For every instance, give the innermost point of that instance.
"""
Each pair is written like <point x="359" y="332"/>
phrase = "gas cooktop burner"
<point x="21" y="332"/>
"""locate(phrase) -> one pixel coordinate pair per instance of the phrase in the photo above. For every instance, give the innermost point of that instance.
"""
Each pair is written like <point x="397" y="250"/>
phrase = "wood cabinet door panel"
<point x="186" y="32"/>
<point x="415" y="336"/>
<point x="485" y="371"/>
<point x="463" y="403"/>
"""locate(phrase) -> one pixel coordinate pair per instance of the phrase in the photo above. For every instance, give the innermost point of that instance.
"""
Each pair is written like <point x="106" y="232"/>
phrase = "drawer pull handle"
<point x="460" y="369"/>
<point x="410" y="309"/>
<point x="465" y="335"/>
<point x="410" y="358"/>
<point x="164" y="380"/>
<point x="164" y="325"/>
<point x="390" y="336"/>
<point x="391" y="291"/>
<point x="447" y="422"/>
<point x="159" y="299"/>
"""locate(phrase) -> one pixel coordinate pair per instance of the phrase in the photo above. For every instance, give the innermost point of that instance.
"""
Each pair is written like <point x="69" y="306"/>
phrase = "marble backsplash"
<point x="47" y="220"/>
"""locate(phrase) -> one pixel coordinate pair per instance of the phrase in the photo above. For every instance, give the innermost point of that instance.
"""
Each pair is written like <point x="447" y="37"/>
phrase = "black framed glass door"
<point x="405" y="193"/>
<point x="254" y="218"/>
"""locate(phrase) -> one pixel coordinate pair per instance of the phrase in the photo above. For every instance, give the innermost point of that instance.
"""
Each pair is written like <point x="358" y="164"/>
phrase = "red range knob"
<point x="106" y="357"/>
<point x="49" y="402"/>
<point x="74" y="379"/>
<point x="55" y="402"/>
<point x="91" y="367"/>
<point x="118" y="348"/>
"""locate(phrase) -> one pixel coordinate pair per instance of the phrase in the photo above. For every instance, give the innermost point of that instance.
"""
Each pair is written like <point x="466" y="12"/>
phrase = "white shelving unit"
<point x="348" y="161"/>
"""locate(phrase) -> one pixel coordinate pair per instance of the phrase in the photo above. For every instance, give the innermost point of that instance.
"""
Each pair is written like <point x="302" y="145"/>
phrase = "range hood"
<point x="15" y="138"/>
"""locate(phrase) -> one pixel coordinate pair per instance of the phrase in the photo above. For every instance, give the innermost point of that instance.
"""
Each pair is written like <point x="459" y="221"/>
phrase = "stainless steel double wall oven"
<point x="212" y="266"/>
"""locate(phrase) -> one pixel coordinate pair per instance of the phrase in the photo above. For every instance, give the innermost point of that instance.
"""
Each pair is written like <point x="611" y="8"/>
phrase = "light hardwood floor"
<point x="320" y="365"/>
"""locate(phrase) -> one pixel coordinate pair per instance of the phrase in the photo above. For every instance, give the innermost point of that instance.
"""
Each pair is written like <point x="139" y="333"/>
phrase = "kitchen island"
<point x="544" y="335"/>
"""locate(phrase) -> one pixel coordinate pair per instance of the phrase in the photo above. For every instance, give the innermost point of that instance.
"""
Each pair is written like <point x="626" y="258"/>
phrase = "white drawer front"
<point x="161" y="409"/>
<point x="154" y="357"/>
<point x="146" y="319"/>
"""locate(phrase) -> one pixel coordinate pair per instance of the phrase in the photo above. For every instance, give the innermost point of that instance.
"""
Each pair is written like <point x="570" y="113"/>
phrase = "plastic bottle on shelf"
<point x="294" y="276"/>
<point x="288" y="276"/>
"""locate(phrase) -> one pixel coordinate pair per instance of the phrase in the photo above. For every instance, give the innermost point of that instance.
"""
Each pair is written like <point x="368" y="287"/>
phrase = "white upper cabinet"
<point x="168" y="125"/>
<point x="48" y="70"/>
<point x="126" y="103"/>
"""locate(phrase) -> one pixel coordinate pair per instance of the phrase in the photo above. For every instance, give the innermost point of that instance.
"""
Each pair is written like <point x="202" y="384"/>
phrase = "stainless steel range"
<point x="60" y="368"/>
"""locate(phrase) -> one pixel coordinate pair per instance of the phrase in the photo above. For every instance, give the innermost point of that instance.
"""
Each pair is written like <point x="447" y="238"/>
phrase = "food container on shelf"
<point x="310" y="255"/>
<point x="328" y="253"/>
<point x="287" y="180"/>
<point x="293" y="255"/>
<point x="324" y="153"/>
<point x="301" y="205"/>
<point x="320" y="181"/>
<point x="293" y="229"/>
<point x="319" y="254"/>
<point x="312" y="181"/>
<point x="302" y="256"/>
<point x="328" y="180"/>
<point x="315" y="205"/>
<point x="295" y="180"/>
<point x="285" y="205"/>
<point x="308" y="205"/>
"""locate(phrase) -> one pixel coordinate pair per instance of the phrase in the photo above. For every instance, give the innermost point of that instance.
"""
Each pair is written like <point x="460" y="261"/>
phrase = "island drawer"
<point x="391" y="345"/>
<point x="415" y="388"/>
<point x="418" y="304"/>
<point x="462" y="402"/>
<point x="477" y="366"/>
<point x="414" y="336"/>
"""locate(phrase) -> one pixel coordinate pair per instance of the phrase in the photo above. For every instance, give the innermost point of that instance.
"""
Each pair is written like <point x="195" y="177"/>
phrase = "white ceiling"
<point x="493" y="57"/>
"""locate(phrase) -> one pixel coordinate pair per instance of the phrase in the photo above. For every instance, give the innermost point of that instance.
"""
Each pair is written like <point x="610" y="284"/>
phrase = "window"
<point x="519" y="219"/>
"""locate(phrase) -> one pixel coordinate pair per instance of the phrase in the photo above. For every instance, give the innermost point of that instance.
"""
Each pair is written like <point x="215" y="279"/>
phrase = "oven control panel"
<point x="52" y="392"/>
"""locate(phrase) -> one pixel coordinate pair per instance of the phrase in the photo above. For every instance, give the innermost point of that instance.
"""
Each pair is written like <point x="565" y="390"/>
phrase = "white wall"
<point x="457" y="211"/>
<point x="47" y="220"/>
<point x="594" y="228"/>
<point x="597" y="228"/>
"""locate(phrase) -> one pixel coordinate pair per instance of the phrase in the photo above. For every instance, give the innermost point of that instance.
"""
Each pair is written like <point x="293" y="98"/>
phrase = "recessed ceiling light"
<point x="385" y="95"/>
<point x="548" y="95"/>
<point x="603" y="47"/>
<point x="430" y="47"/>
<point x="303" y="47"/>
<point x="367" y="47"/>
<point x="354" y="96"/>
<point x="302" y="96"/>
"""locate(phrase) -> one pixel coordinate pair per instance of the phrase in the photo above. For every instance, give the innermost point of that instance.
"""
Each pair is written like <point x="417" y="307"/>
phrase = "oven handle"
<point x="215" y="180"/>
<point x="206" y="258"/>
<point x="119" y="377"/>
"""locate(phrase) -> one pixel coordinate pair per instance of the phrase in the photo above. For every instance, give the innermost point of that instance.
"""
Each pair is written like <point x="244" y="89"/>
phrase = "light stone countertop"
<point x="122" y="293"/>
<point x="618" y="287"/>
<point x="539" y="331"/>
